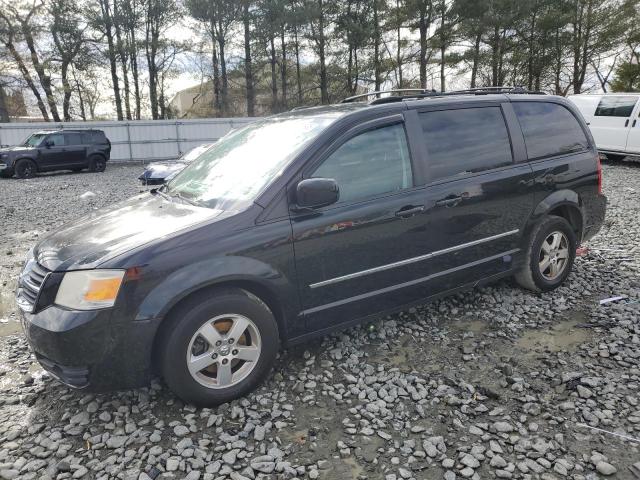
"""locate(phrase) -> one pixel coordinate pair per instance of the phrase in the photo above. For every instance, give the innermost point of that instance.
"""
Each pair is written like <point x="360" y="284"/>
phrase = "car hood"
<point x="17" y="148"/>
<point x="108" y="232"/>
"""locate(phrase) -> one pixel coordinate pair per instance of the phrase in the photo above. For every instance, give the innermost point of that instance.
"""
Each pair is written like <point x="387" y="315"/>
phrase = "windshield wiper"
<point x="188" y="200"/>
<point x="158" y="191"/>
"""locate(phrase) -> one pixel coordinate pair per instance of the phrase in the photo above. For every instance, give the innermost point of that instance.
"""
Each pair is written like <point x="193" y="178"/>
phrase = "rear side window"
<point x="549" y="129"/>
<point x="370" y="164"/>
<point x="73" y="139"/>
<point x="616" y="106"/>
<point x="465" y="140"/>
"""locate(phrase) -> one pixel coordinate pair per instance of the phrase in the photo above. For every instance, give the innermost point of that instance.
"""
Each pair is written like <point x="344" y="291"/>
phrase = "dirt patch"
<point x="564" y="335"/>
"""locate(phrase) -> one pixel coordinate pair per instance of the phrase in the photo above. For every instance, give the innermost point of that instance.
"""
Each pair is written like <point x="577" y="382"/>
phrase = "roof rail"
<point x="416" y="93"/>
<point x="378" y="92"/>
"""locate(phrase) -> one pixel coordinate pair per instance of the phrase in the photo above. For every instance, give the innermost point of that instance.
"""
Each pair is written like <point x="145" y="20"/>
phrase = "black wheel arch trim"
<point x="554" y="201"/>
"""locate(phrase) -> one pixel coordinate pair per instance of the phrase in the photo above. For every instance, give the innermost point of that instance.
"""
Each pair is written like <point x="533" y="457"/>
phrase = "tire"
<point x="25" y="168"/>
<point x="538" y="274"/>
<point x="218" y="316"/>
<point x="97" y="164"/>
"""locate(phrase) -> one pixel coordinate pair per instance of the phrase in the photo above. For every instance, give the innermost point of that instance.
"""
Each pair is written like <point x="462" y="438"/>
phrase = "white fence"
<point x="138" y="140"/>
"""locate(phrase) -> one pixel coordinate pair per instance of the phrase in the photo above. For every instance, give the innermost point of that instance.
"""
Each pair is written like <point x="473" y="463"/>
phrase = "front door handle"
<point x="634" y="123"/>
<point x="409" y="211"/>
<point x="449" y="202"/>
<point x="626" y="124"/>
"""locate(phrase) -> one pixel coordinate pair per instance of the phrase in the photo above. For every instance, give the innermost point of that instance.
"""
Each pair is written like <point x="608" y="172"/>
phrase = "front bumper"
<point x="84" y="349"/>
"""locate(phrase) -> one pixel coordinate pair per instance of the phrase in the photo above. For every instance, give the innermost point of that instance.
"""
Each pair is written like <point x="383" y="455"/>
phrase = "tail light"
<point x="599" y="174"/>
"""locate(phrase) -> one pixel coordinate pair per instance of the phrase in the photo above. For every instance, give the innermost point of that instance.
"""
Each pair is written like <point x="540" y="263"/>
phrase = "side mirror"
<point x="317" y="192"/>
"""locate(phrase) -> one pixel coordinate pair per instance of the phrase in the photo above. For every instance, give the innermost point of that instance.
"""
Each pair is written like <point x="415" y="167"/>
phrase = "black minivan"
<point x="305" y="222"/>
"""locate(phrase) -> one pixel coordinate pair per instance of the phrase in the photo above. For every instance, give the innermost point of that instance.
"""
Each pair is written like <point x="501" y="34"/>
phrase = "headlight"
<point x="89" y="289"/>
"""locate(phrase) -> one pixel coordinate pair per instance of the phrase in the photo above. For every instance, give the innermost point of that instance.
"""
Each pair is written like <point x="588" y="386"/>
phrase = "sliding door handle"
<point x="449" y="202"/>
<point x="634" y="123"/>
<point x="409" y="211"/>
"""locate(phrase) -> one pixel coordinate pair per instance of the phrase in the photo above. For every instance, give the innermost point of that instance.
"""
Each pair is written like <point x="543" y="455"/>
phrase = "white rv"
<point x="614" y="120"/>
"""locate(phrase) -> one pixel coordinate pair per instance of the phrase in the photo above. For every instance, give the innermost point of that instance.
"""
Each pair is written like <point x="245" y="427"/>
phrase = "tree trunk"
<point x="223" y="71"/>
<point x="248" y="72"/>
<point x="376" y="47"/>
<point x="66" y="87"/>
<point x="124" y="62"/>
<point x="274" y="76"/>
<point x="398" y="47"/>
<point x="443" y="47"/>
<point x="324" y="86"/>
<point x="283" y="68"/>
<point x="108" y="25"/>
<point x="217" y="104"/>
<point x="298" y="73"/>
<point x="4" y="108"/>
<point x="45" y="79"/>
<point x="425" y="22"/>
<point x="476" y="59"/>
<point x="27" y="77"/>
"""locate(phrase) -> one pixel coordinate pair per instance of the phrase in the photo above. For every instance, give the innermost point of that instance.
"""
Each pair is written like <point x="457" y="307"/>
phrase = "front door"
<point x="612" y="121"/>
<point x="54" y="155"/>
<point x="350" y="256"/>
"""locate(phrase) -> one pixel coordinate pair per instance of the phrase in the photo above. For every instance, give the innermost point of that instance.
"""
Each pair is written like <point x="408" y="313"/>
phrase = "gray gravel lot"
<point x="494" y="383"/>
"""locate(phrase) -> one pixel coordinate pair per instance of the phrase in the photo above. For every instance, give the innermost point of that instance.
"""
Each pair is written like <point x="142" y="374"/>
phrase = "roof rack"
<point x="416" y="93"/>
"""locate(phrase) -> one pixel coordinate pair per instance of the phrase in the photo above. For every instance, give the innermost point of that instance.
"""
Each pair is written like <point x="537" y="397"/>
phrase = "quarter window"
<point x="466" y="140"/>
<point x="549" y="129"/>
<point x="370" y="164"/>
<point x="616" y="106"/>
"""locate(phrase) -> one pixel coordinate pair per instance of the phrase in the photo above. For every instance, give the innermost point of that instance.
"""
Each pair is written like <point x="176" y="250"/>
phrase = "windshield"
<point x="194" y="153"/>
<point x="34" y="140"/>
<point x="235" y="170"/>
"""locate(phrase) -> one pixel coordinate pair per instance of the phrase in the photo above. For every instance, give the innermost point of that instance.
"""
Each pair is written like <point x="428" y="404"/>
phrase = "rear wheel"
<point x="550" y="255"/>
<point x="218" y="348"/>
<point x="26" y="168"/>
<point x="97" y="164"/>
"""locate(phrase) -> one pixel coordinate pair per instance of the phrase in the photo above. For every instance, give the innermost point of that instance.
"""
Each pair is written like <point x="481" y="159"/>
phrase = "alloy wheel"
<point x="554" y="255"/>
<point x="223" y="351"/>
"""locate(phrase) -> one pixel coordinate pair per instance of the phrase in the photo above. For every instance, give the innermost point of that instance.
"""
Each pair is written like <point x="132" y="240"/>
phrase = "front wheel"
<point x="550" y="255"/>
<point x="26" y="168"/>
<point x="218" y="347"/>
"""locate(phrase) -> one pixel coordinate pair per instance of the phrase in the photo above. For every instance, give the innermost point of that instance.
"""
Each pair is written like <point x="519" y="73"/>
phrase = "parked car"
<point x="159" y="172"/>
<point x="50" y="150"/>
<point x="614" y="120"/>
<point x="309" y="221"/>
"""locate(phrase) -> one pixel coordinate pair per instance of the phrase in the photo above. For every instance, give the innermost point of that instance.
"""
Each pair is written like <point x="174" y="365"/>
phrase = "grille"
<point x="29" y="285"/>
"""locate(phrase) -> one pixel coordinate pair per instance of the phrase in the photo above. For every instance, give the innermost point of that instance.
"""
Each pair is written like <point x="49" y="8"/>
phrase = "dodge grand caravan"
<point x="308" y="221"/>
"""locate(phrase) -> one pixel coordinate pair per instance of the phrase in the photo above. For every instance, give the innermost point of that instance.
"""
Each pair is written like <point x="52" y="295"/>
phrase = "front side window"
<point x="56" y="139"/>
<point x="370" y="164"/>
<point x="34" y="140"/>
<point x="616" y="106"/>
<point x="232" y="173"/>
<point x="465" y="140"/>
<point x="549" y="129"/>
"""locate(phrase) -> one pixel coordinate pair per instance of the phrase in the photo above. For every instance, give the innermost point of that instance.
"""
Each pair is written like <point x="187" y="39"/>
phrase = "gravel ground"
<point x="496" y="382"/>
